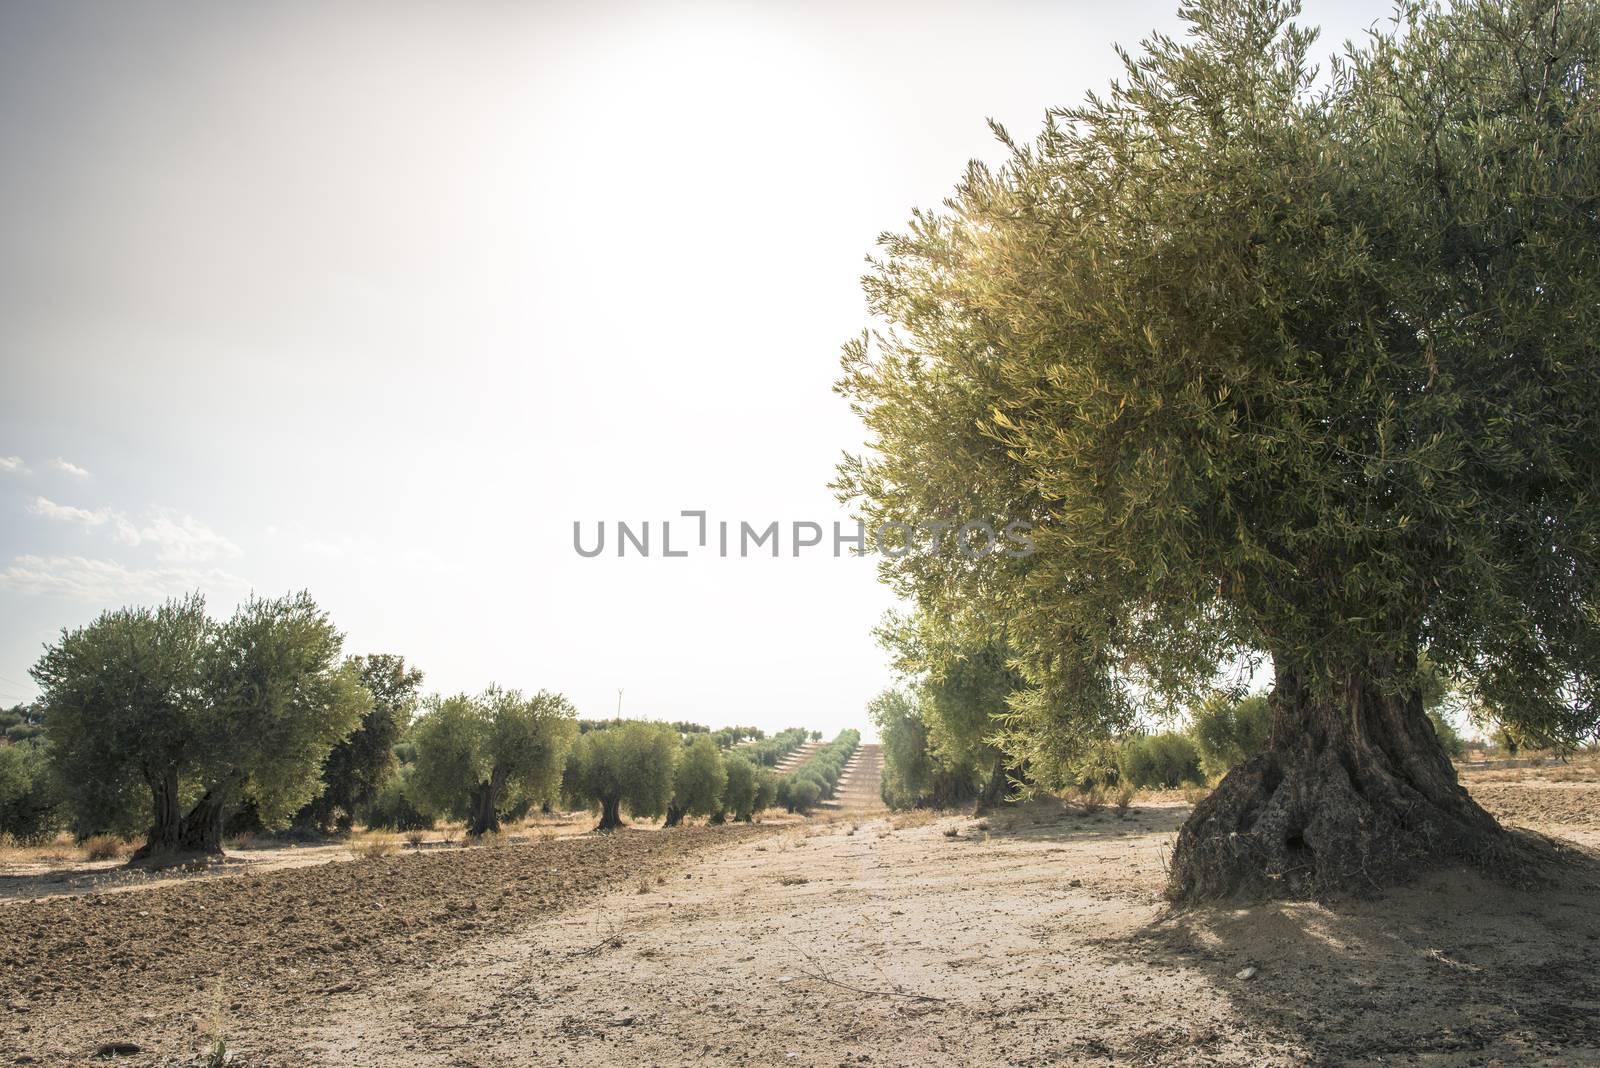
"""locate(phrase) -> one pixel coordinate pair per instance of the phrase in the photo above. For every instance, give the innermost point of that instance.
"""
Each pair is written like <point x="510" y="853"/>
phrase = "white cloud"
<point x="12" y="463"/>
<point x="69" y="467"/>
<point x="177" y="538"/>
<point x="68" y="513"/>
<point x="110" y="581"/>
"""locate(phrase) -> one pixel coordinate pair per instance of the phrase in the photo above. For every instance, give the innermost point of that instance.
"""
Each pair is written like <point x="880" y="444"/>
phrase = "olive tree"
<point x="477" y="756"/>
<point x="202" y="715"/>
<point x="358" y="768"/>
<point x="630" y="764"/>
<point x="1277" y="368"/>
<point x="698" y="781"/>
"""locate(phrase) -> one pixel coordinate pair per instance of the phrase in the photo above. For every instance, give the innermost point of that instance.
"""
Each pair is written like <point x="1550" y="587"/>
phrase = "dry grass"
<point x="374" y="845"/>
<point x="1091" y="800"/>
<point x="415" y="838"/>
<point x="104" y="847"/>
<point x="917" y="817"/>
<point x="1122" y="800"/>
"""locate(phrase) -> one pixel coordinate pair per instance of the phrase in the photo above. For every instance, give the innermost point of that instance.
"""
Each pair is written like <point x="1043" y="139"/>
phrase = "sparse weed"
<point x="1091" y="800"/>
<point x="1123" y="799"/>
<point x="375" y="845"/>
<point x="644" y="884"/>
<point x="103" y="847"/>
<point x="415" y="838"/>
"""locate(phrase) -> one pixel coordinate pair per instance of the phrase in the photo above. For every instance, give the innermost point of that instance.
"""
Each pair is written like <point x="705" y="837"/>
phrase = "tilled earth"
<point x="147" y="974"/>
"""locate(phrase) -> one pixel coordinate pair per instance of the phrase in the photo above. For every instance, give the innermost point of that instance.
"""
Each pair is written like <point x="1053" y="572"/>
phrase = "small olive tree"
<point x="359" y="767"/>
<point x="631" y="764"/>
<point x="698" y="781"/>
<point x="479" y="756"/>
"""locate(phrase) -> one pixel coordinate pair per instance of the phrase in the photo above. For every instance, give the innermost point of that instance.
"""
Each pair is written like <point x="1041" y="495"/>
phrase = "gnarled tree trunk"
<point x="484" y="816"/>
<point x="610" y="815"/>
<point x="674" y="816"/>
<point x="167" y="823"/>
<point x="1353" y="793"/>
<point x="197" y="832"/>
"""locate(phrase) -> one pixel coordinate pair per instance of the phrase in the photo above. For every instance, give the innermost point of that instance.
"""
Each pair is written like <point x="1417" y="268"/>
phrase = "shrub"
<point x="392" y="809"/>
<point x="803" y="795"/>
<point x="103" y="847"/>
<point x="375" y="845"/>
<point x="29" y="808"/>
<point x="1228" y="732"/>
<point x="1163" y="761"/>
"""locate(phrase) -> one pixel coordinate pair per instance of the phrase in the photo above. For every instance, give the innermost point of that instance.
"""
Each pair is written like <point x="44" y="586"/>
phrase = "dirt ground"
<point x="1035" y="937"/>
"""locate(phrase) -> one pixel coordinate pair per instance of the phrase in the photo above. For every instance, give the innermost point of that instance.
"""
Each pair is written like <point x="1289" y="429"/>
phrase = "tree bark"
<point x="1353" y="793"/>
<point x="197" y="832"/>
<point x="674" y="816"/>
<point x="994" y="791"/>
<point x="610" y="814"/>
<point x="485" y="815"/>
<point x="162" y="838"/>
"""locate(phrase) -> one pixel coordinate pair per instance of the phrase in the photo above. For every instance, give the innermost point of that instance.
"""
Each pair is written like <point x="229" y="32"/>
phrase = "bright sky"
<point x="378" y="299"/>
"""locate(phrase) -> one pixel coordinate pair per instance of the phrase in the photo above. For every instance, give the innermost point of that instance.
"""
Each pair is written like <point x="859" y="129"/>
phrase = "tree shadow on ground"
<point x="1455" y="968"/>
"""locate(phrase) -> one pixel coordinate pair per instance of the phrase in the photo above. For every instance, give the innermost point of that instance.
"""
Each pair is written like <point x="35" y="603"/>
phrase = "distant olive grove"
<point x="167" y="724"/>
<point x="931" y="760"/>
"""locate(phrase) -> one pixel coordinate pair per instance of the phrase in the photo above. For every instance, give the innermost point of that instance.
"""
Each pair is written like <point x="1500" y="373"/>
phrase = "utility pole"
<point x="619" y="702"/>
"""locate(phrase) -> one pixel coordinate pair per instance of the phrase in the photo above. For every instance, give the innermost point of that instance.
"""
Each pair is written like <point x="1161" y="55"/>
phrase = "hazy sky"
<point x="377" y="299"/>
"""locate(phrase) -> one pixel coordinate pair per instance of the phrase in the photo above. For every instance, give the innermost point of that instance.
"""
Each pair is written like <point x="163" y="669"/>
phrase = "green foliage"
<point x="168" y="704"/>
<point x="30" y="793"/>
<point x="125" y="709"/>
<point x="1228" y="731"/>
<point x="21" y="723"/>
<point x="358" y="767"/>
<point x="728" y="737"/>
<point x="631" y="765"/>
<point x="1161" y="761"/>
<point x="768" y="751"/>
<point x="914" y="775"/>
<point x="479" y="756"/>
<point x="1270" y="366"/>
<point x="1450" y="739"/>
<point x="699" y="778"/>
<point x="277" y="699"/>
<point x="391" y="807"/>
<point x="818" y="777"/>
<point x="739" y="790"/>
<point x="963" y="679"/>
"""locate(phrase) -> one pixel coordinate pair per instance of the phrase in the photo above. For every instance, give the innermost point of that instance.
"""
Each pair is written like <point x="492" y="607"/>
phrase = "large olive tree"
<point x="1278" y="366"/>
<point x="203" y="715"/>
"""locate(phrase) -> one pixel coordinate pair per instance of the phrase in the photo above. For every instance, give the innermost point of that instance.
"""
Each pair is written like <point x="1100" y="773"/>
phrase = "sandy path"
<point x="1042" y="940"/>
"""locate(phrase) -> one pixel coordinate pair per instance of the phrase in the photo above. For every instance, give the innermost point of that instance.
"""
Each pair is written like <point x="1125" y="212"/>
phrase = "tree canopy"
<point x="1276" y="365"/>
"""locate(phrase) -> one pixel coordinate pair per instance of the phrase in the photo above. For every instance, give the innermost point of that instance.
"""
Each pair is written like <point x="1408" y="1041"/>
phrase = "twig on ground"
<point x="818" y="974"/>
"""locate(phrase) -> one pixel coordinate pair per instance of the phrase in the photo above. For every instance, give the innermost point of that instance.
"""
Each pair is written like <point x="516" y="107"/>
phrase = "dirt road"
<point x="1040" y="940"/>
<point x="1035" y="937"/>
